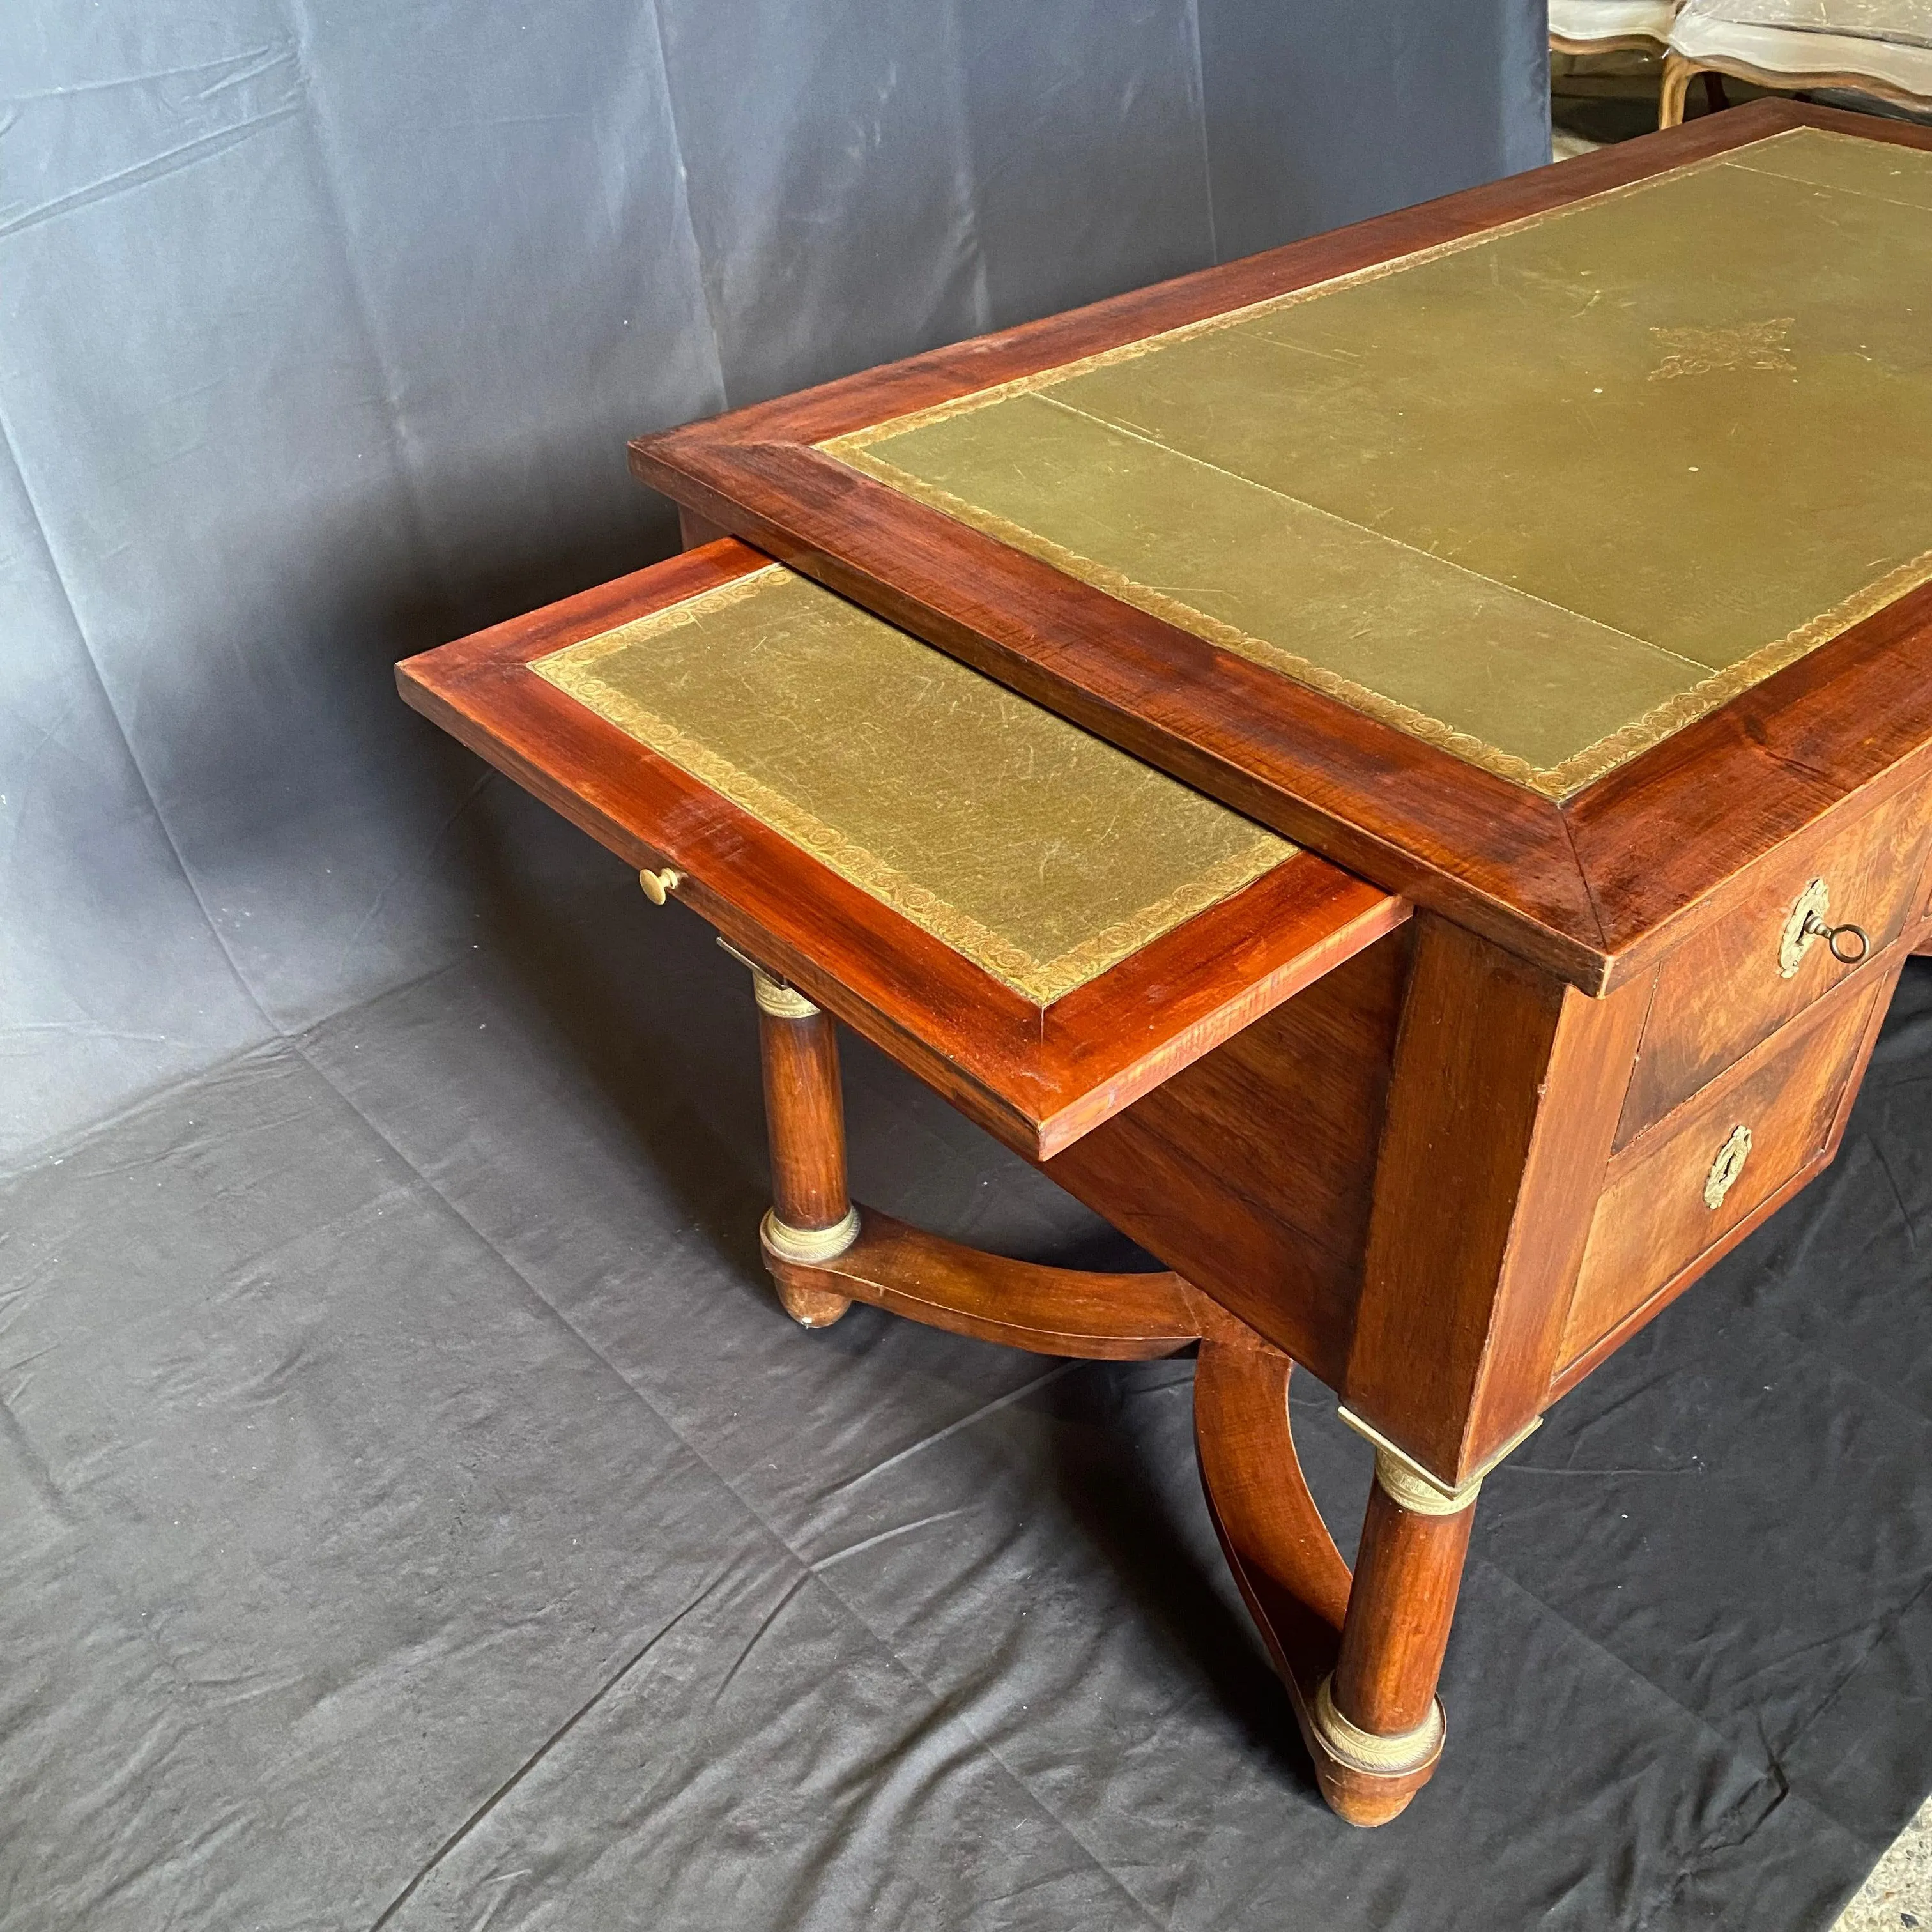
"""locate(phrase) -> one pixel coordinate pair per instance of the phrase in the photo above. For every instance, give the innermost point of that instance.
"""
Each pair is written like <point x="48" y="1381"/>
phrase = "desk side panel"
<point x="1250" y="1172"/>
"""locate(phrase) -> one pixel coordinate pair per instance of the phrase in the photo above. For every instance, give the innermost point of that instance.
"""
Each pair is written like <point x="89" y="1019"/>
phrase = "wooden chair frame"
<point x="1616" y="43"/>
<point x="1679" y="68"/>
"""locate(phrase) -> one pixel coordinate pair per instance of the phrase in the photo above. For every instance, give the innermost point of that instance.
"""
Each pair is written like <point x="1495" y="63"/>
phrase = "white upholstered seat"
<point x="1883" y="47"/>
<point x="1596" y="26"/>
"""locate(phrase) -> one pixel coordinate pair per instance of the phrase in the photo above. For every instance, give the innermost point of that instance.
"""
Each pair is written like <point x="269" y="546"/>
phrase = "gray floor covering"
<point x="419" y="1514"/>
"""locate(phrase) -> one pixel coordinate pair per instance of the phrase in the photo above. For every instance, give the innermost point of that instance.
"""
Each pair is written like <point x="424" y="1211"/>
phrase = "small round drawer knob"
<point x="1728" y="1166"/>
<point x="659" y="885"/>
<point x="1849" y="945"/>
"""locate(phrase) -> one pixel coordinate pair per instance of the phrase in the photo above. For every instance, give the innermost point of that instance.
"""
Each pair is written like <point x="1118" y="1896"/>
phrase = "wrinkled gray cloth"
<point x="323" y="324"/>
<point x="420" y="1514"/>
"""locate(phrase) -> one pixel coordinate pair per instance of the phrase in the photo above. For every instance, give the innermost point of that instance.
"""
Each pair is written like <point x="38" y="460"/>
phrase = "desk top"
<point x="1435" y="544"/>
<point x="1485" y="492"/>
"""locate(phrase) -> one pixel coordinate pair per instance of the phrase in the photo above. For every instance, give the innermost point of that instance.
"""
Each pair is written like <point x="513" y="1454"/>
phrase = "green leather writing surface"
<point x="1541" y="496"/>
<point x="1041" y="853"/>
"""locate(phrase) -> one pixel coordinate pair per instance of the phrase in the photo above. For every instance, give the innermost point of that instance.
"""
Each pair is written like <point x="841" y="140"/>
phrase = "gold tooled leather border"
<point x="1186" y="617"/>
<point x="1561" y="781"/>
<point x="572" y="669"/>
<point x="840" y="446"/>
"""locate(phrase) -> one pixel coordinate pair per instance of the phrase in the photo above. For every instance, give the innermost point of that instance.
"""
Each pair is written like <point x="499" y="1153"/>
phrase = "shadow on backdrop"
<point x="326" y="328"/>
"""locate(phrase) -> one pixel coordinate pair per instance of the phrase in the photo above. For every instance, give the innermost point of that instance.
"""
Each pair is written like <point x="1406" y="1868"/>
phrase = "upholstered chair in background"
<point x="1610" y="26"/>
<point x="1881" y="47"/>
<point x="1581" y="28"/>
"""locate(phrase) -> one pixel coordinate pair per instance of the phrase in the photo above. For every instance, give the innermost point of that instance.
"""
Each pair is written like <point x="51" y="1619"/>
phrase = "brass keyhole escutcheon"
<point x="1800" y="927"/>
<point x="1807" y="921"/>
<point x="659" y="885"/>
<point x="1728" y="1166"/>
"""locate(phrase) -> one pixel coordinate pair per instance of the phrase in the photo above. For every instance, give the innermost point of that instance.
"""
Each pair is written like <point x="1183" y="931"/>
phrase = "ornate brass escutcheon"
<point x="1806" y="922"/>
<point x="1728" y="1166"/>
<point x="1800" y="927"/>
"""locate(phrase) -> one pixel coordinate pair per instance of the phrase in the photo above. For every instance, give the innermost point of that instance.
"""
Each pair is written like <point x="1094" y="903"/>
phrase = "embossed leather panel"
<point x="1042" y="854"/>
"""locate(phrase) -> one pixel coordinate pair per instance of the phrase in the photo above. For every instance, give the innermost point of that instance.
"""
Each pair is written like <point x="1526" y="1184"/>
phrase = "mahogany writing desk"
<point x="1399" y="770"/>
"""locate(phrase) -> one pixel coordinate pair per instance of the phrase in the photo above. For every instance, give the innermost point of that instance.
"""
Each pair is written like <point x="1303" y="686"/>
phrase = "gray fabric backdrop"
<point x="323" y="325"/>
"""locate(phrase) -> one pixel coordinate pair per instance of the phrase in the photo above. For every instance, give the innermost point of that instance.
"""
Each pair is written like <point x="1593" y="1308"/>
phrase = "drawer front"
<point x="1736" y="982"/>
<point x="1677" y="1193"/>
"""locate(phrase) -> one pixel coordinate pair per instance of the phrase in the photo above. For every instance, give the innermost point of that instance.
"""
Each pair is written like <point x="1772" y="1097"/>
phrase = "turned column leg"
<point x="1378" y="1713"/>
<point x="812" y="1218"/>
<point x="1360" y="1656"/>
<point x="824" y="1253"/>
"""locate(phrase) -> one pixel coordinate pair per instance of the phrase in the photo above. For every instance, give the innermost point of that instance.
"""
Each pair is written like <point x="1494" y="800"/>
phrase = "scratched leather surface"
<point x="1041" y="853"/>
<point x="1543" y="498"/>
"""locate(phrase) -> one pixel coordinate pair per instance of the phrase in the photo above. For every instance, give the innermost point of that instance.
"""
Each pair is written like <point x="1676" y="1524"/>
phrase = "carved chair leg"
<point x="812" y="1218"/>
<point x="1677" y="73"/>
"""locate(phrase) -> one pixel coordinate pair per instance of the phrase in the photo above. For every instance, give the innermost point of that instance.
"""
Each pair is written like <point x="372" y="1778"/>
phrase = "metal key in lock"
<point x="1807" y="922"/>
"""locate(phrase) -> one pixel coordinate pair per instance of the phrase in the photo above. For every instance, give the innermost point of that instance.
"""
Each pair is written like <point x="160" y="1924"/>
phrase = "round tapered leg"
<point x="812" y="1218"/>
<point x="1360" y="1656"/>
<point x="1406" y="1578"/>
<point x="1378" y="1714"/>
<point x="824" y="1254"/>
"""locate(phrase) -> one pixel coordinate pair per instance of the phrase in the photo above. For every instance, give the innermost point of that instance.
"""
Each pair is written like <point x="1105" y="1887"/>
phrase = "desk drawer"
<point x="1037" y="924"/>
<point x="1727" y="988"/>
<point x="1682" y="1194"/>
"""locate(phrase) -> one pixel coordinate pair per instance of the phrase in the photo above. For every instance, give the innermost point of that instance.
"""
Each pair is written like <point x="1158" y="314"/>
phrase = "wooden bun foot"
<point x="797" y="1259"/>
<point x="807" y="1304"/>
<point x="1366" y="1778"/>
<point x="1369" y="1798"/>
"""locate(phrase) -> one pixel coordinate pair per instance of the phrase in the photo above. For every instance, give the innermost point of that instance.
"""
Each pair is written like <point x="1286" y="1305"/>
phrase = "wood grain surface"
<point x="1506" y="1087"/>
